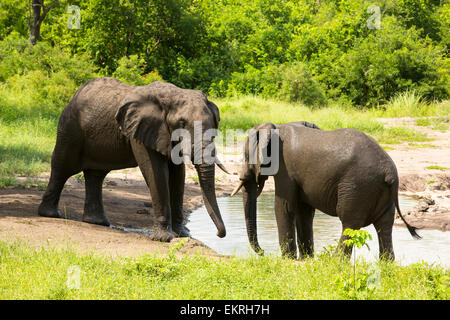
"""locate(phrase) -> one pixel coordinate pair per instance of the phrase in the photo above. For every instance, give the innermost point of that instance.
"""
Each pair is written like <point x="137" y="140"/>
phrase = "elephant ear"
<point x="259" y="145"/>
<point x="145" y="122"/>
<point x="215" y="110"/>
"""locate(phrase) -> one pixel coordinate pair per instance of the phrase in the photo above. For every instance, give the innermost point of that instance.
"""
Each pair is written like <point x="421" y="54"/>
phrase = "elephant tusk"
<point x="237" y="189"/>
<point x="221" y="166"/>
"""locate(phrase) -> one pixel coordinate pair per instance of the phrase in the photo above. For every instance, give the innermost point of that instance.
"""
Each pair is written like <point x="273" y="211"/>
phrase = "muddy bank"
<point x="432" y="191"/>
<point x="128" y="204"/>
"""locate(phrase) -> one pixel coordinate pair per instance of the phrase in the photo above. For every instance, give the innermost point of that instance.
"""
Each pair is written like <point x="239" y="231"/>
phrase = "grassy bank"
<point x="27" y="273"/>
<point x="245" y="112"/>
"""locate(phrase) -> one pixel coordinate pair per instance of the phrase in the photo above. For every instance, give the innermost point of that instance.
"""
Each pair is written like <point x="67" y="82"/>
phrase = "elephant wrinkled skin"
<point x="343" y="173"/>
<point x="110" y="125"/>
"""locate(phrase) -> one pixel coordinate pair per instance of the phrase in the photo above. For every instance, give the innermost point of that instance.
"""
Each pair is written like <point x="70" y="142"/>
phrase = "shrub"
<point x="130" y="70"/>
<point x="39" y="77"/>
<point x="391" y="60"/>
<point x="287" y="82"/>
<point x="298" y="85"/>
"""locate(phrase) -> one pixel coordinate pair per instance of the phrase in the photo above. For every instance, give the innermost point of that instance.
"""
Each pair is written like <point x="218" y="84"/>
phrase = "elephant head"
<point x="260" y="152"/>
<point x="150" y="114"/>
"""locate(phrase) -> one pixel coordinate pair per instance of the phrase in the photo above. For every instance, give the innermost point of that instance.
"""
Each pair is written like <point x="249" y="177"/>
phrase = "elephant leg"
<point x="155" y="169"/>
<point x="383" y="226"/>
<point x="50" y="200"/>
<point x="64" y="164"/>
<point x="304" y="223"/>
<point x="285" y="218"/>
<point x="93" y="206"/>
<point x="176" y="186"/>
<point x="352" y="211"/>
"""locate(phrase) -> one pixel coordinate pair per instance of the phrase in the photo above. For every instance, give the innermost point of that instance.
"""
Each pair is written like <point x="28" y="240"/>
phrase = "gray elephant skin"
<point x="344" y="173"/>
<point x="109" y="125"/>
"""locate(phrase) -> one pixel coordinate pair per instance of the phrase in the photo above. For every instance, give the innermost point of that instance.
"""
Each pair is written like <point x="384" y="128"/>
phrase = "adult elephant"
<point x="343" y="173"/>
<point x="110" y="125"/>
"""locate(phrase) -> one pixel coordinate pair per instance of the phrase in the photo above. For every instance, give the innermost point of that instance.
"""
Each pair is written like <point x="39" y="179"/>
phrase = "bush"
<point x="332" y="52"/>
<point x="391" y="60"/>
<point x="41" y="77"/>
<point x="287" y="82"/>
<point x="130" y="70"/>
<point x="298" y="85"/>
<point x="298" y="50"/>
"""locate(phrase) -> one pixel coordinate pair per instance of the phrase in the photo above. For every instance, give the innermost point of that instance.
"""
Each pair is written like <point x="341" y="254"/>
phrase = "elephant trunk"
<point x="249" y="197"/>
<point x="206" y="178"/>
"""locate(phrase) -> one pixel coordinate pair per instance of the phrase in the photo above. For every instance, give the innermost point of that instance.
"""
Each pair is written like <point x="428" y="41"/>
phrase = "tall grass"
<point x="404" y="103"/>
<point x="27" y="132"/>
<point x="27" y="273"/>
<point x="26" y="146"/>
<point x="246" y="112"/>
<point x="26" y="142"/>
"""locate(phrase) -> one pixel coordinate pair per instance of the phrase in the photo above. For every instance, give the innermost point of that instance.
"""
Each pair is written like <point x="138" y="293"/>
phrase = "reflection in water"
<point x="434" y="247"/>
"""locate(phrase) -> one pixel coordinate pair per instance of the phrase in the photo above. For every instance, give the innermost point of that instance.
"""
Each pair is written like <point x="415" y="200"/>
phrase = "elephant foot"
<point x="163" y="235"/>
<point x="96" y="218"/>
<point x="49" y="211"/>
<point x="181" y="231"/>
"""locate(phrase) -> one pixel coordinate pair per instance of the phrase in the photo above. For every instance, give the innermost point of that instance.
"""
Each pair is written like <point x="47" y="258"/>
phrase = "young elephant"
<point x="343" y="173"/>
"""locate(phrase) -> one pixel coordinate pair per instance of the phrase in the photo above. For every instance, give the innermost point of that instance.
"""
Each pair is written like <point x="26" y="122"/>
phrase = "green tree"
<point x="38" y="10"/>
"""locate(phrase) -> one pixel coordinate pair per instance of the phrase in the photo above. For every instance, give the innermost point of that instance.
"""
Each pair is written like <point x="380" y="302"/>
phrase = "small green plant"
<point x="356" y="238"/>
<point x="176" y="247"/>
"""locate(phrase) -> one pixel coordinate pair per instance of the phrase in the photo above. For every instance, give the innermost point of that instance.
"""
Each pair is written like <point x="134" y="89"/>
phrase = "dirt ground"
<point x="128" y="204"/>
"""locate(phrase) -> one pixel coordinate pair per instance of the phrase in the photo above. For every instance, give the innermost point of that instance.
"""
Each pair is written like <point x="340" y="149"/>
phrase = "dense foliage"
<point x="311" y="51"/>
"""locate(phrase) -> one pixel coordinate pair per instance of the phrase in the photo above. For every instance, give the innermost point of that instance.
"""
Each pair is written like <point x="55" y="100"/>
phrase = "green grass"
<point x="246" y="112"/>
<point x="27" y="273"/>
<point x="434" y="167"/>
<point x="27" y="132"/>
<point x="26" y="145"/>
<point x="28" y="182"/>
<point x="441" y="124"/>
<point x="411" y="104"/>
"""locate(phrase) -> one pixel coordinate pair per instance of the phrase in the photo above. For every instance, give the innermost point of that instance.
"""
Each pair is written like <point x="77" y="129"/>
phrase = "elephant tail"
<point x="394" y="189"/>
